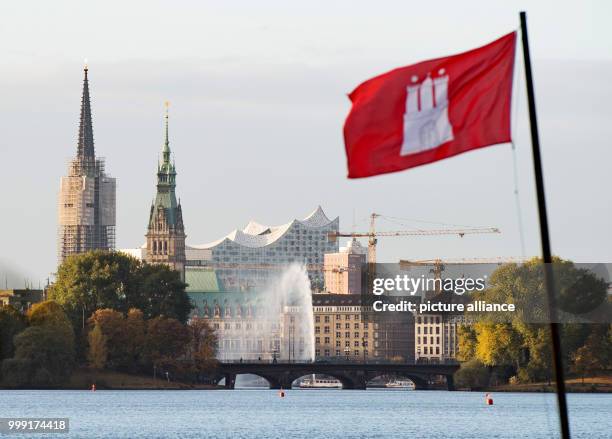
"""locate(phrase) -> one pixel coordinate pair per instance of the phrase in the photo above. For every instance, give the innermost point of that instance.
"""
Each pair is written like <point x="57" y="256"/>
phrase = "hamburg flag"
<point x="432" y="110"/>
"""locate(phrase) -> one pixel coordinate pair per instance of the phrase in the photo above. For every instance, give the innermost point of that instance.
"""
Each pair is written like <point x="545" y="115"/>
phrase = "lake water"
<point x="328" y="414"/>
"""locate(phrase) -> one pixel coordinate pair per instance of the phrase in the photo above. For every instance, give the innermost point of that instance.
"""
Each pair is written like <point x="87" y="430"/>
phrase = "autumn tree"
<point x="203" y="344"/>
<point x="44" y="352"/>
<point x="12" y="322"/>
<point x="97" y="348"/>
<point x="167" y="341"/>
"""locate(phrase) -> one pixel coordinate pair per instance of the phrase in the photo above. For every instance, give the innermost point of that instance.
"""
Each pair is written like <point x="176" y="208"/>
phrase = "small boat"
<point x="320" y="383"/>
<point x="400" y="384"/>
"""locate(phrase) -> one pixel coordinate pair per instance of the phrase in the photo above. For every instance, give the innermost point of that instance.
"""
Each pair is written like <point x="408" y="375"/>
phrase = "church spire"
<point x="85" y="146"/>
<point x="166" y="148"/>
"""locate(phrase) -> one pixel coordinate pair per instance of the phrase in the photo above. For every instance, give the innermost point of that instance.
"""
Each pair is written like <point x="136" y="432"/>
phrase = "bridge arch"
<point x="420" y="383"/>
<point x="346" y="381"/>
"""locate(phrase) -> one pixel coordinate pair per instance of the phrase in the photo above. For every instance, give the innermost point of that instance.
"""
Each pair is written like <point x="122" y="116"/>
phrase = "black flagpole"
<point x="546" y="253"/>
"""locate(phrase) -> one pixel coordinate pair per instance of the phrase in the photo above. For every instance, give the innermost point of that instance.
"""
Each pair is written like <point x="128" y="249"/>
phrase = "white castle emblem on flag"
<point x="426" y="123"/>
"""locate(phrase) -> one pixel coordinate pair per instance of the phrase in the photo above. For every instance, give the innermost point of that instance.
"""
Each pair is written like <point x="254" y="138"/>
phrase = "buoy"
<point x="488" y="399"/>
<point x="281" y="393"/>
<point x="93" y="387"/>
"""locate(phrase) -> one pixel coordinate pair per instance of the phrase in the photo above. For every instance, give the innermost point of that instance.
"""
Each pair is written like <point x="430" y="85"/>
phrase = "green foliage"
<point x="522" y="339"/>
<point x="11" y="323"/>
<point x="467" y="343"/>
<point x="473" y="375"/>
<point x="112" y="280"/>
<point x="97" y="348"/>
<point x="44" y="352"/>
<point x="162" y="293"/>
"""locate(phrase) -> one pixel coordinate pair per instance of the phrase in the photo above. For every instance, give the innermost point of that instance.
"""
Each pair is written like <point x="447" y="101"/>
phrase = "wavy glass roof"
<point x="256" y="235"/>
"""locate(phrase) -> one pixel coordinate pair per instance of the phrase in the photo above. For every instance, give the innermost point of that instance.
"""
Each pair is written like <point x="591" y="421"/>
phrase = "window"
<point x="317" y="340"/>
<point x="347" y="334"/>
<point x="327" y="352"/>
<point x="425" y="340"/>
<point x="418" y="329"/>
<point x="337" y="352"/>
<point x="438" y="340"/>
<point x="418" y="340"/>
<point x="347" y="326"/>
<point x="425" y="350"/>
<point x="337" y="343"/>
<point x="338" y="326"/>
<point x="326" y="340"/>
<point x="356" y="334"/>
<point x="347" y="344"/>
<point x="317" y="330"/>
<point x="356" y="344"/>
<point x="326" y="319"/>
<point x="317" y="319"/>
<point x="425" y="330"/>
<point x="338" y="334"/>
<point x="356" y="326"/>
<point x="437" y="329"/>
<point x="326" y="329"/>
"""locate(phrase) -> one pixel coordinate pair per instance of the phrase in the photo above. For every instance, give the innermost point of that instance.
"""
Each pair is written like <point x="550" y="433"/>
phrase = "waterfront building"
<point x="165" y="231"/>
<point x="247" y="259"/>
<point x="436" y="337"/>
<point x="343" y="329"/>
<point x="342" y="270"/>
<point x="86" y="202"/>
<point x="246" y="327"/>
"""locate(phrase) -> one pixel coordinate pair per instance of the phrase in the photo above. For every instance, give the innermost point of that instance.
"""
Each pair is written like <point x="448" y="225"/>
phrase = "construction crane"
<point x="373" y="235"/>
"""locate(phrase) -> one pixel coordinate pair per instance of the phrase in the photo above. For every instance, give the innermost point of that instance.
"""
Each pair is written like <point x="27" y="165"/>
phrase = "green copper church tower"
<point x="166" y="233"/>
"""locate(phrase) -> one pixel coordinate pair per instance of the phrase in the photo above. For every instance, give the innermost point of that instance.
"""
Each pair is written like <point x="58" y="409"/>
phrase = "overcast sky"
<point x="258" y="99"/>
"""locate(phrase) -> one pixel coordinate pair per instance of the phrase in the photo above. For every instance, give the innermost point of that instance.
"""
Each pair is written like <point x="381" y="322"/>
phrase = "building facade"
<point x="165" y="231"/>
<point x="21" y="299"/>
<point x="342" y="270"/>
<point x="87" y="196"/>
<point x="245" y="259"/>
<point x="342" y="329"/>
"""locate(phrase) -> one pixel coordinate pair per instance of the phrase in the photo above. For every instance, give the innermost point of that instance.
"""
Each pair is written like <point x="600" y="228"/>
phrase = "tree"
<point x="203" y="344"/>
<point x="162" y="293"/>
<point x="113" y="280"/>
<point x="95" y="280"/>
<point x="522" y="339"/>
<point x="97" y="348"/>
<point x="12" y="322"/>
<point x="467" y="343"/>
<point x="44" y="352"/>
<point x="473" y="375"/>
<point x="167" y="340"/>
<point x="496" y="343"/>
<point x="113" y="327"/>
<point x="135" y="330"/>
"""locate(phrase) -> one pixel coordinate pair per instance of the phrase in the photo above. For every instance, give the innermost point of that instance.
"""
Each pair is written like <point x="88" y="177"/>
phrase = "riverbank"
<point x="600" y="384"/>
<point x="83" y="378"/>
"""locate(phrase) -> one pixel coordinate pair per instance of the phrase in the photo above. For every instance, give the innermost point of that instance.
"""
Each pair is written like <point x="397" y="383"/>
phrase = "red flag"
<point x="432" y="110"/>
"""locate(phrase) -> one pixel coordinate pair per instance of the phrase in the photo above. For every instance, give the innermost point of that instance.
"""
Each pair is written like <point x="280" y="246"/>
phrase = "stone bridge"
<point x="351" y="375"/>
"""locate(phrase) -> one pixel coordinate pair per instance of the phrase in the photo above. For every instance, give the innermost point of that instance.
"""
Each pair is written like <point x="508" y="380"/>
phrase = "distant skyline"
<point x="258" y="100"/>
